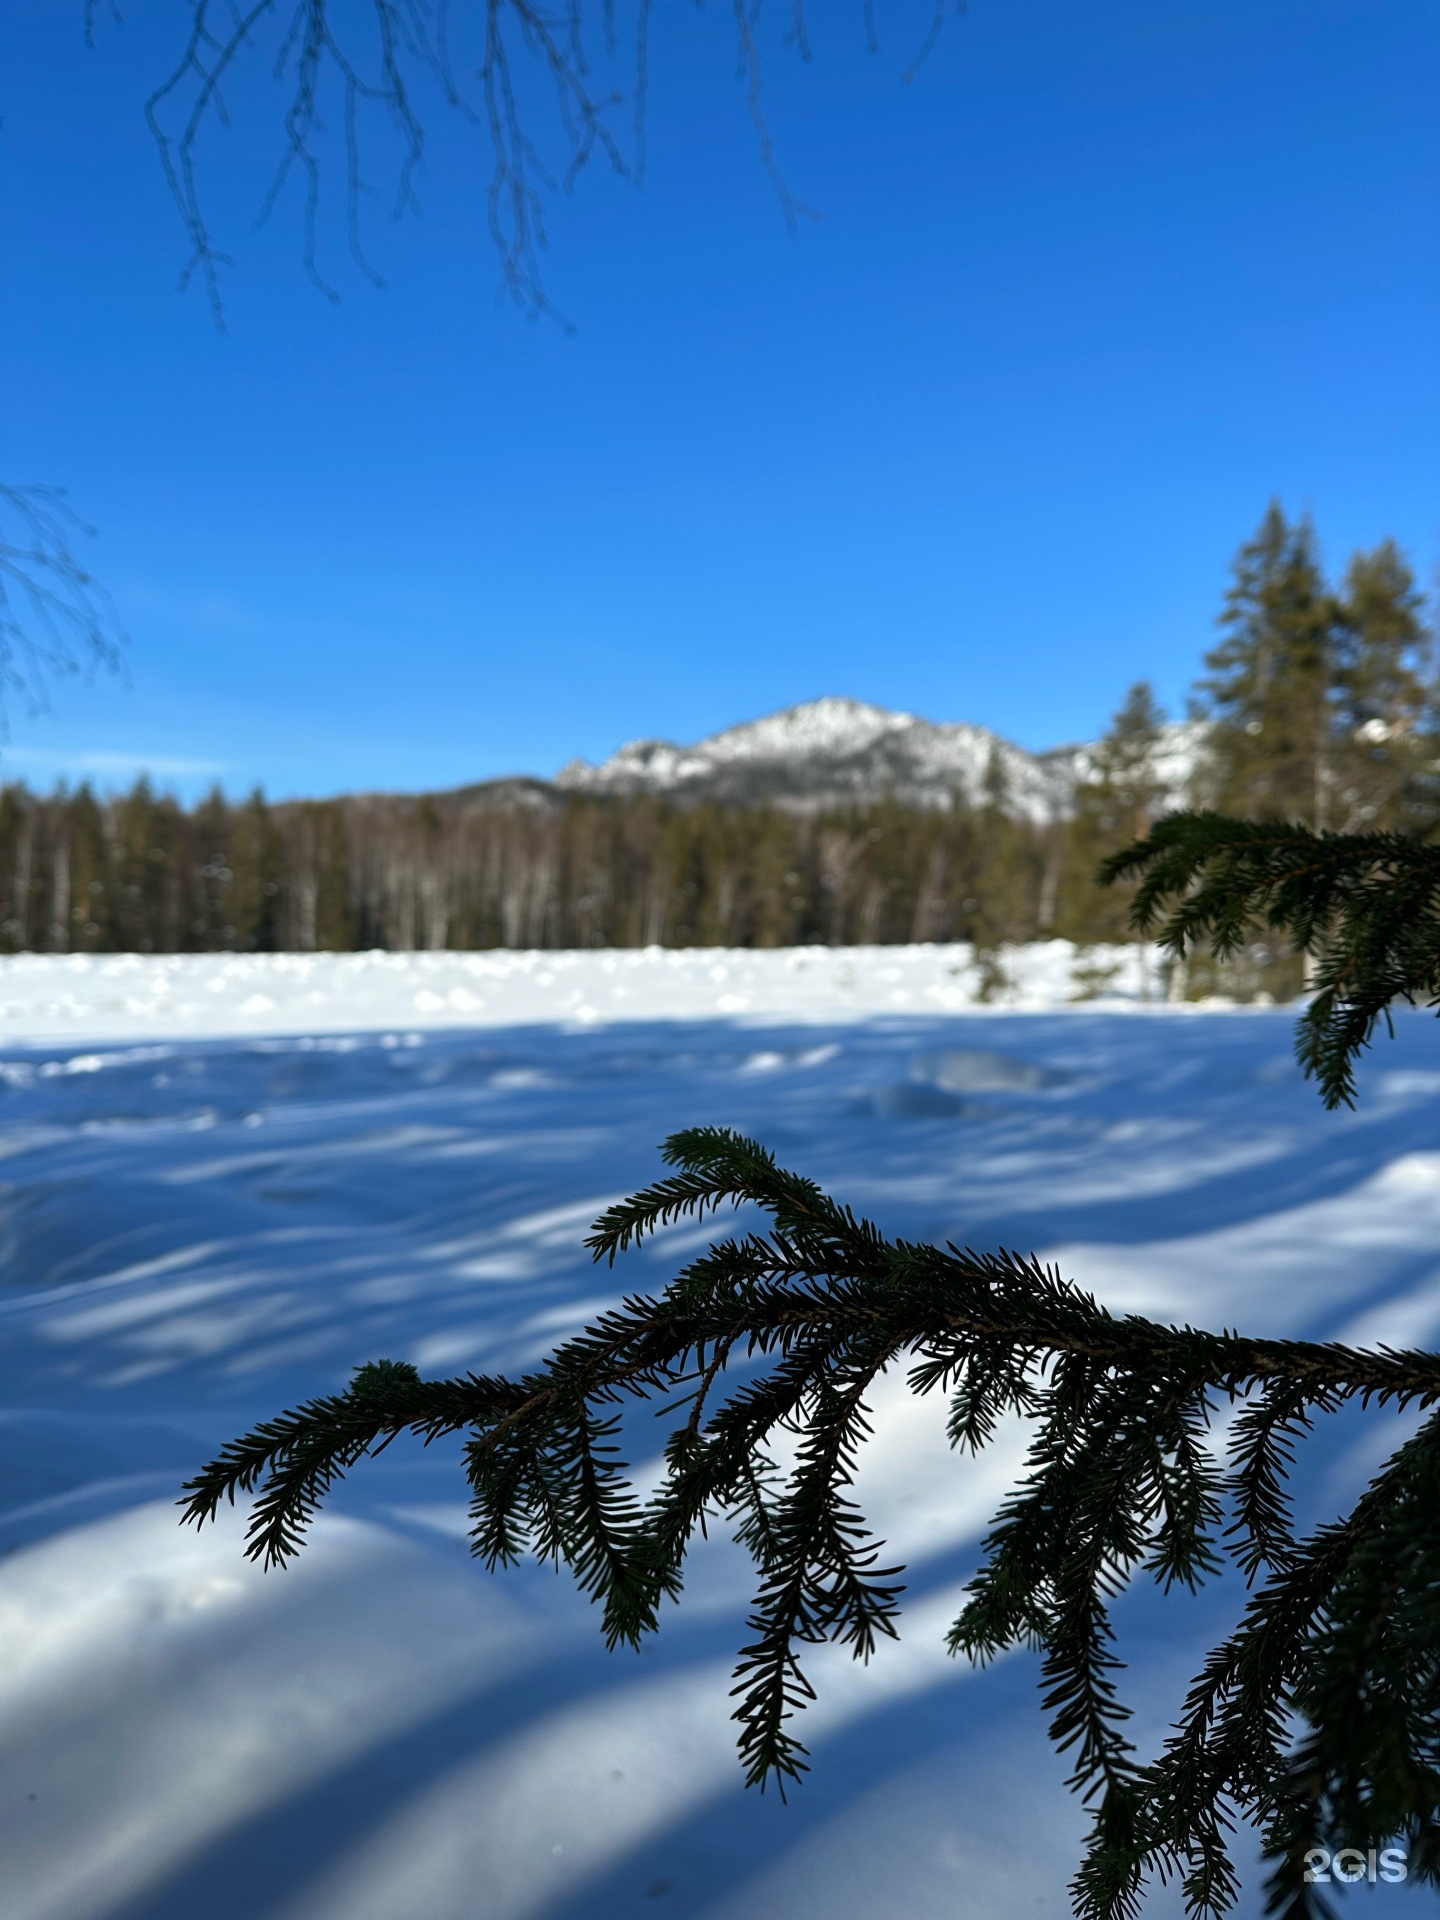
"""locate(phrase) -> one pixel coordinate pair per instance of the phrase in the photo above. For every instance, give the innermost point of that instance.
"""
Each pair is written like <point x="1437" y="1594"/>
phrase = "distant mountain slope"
<point x="845" y="750"/>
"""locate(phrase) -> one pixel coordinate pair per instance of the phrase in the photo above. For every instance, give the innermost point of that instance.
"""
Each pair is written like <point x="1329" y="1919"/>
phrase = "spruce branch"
<point x="1367" y="906"/>
<point x="1317" y="1720"/>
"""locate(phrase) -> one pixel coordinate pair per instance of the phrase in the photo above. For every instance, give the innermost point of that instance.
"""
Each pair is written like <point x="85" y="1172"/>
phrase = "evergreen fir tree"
<point x="1008" y="889"/>
<point x="141" y="879"/>
<point x="1124" y="781"/>
<point x="1114" y="804"/>
<point x="1156" y="1450"/>
<point x="15" y="844"/>
<point x="1387" y="765"/>
<point x="90" y="881"/>
<point x="210" y="907"/>
<point x="257" y="884"/>
<point x="1267" y="695"/>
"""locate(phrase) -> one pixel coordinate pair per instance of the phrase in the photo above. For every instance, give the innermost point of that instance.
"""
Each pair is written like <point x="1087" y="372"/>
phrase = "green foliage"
<point x="1267" y="691"/>
<point x="1123" y="779"/>
<point x="1389" y="751"/>
<point x="1113" y="805"/>
<point x="1317" y="702"/>
<point x="1367" y="906"/>
<point x="506" y="868"/>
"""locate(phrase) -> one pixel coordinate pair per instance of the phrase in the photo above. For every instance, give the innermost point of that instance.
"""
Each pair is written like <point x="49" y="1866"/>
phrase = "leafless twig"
<point x="55" y="618"/>
<point x="320" y="52"/>
<point x="368" y="56"/>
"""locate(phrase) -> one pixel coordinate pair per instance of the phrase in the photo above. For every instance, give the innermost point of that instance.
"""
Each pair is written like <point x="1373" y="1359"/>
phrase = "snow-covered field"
<point x="139" y="996"/>
<point x="200" y="1230"/>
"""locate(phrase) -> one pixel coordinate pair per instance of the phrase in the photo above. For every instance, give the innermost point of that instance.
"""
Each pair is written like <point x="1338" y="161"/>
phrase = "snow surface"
<point x="199" y="1231"/>
<point x="136" y="996"/>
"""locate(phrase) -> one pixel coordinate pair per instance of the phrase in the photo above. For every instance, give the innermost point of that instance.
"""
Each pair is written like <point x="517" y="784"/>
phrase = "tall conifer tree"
<point x="1267" y="695"/>
<point x="1386" y="771"/>
<point x="1114" y="804"/>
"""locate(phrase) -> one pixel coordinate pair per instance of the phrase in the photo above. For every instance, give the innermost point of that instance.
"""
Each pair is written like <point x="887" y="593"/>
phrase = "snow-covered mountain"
<point x="845" y="750"/>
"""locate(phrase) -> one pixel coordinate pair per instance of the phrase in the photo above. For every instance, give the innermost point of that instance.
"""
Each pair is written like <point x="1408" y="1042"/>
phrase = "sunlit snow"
<point x="213" y="1207"/>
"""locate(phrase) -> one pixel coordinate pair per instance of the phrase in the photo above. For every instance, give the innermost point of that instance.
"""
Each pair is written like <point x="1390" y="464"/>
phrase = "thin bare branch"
<point x="56" y="620"/>
<point x="377" y="58"/>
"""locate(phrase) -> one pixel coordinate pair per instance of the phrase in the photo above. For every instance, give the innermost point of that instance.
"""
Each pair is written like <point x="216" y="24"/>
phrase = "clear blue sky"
<point x="978" y="443"/>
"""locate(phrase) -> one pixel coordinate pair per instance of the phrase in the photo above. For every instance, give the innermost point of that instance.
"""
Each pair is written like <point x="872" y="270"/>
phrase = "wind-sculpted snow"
<point x="197" y="1233"/>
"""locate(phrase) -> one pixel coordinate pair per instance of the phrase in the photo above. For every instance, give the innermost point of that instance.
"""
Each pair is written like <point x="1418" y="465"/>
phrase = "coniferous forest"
<point x="1318" y="704"/>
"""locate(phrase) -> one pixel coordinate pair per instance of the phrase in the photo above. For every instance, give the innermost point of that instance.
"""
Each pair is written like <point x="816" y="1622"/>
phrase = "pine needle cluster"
<point x="1156" y="1452"/>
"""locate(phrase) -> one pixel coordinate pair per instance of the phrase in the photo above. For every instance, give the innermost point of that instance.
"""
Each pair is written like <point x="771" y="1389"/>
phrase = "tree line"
<point x="512" y="866"/>
<point x="1318" y="704"/>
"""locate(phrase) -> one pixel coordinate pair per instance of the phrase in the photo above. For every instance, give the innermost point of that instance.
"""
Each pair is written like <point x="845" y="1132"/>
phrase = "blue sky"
<point x="978" y="442"/>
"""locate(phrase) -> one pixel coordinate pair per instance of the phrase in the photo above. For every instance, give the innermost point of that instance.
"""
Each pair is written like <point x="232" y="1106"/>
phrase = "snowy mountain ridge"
<point x="835" y="749"/>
